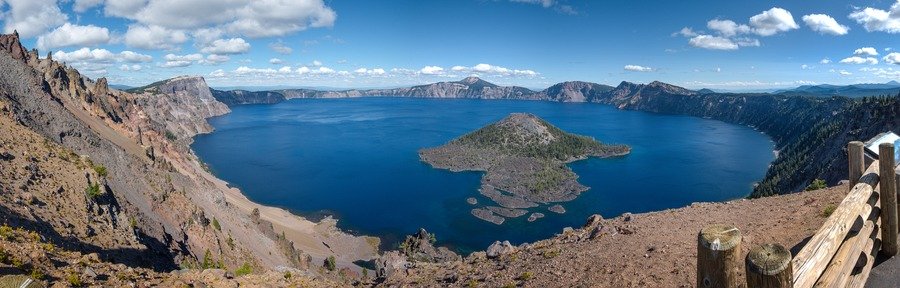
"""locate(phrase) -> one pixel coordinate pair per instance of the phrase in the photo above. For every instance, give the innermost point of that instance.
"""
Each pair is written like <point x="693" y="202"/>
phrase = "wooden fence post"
<point x="857" y="161"/>
<point x="719" y="257"/>
<point x="888" y="198"/>
<point x="769" y="266"/>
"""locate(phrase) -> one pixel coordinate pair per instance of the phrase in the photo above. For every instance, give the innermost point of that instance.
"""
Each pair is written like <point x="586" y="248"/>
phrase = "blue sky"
<point x="725" y="45"/>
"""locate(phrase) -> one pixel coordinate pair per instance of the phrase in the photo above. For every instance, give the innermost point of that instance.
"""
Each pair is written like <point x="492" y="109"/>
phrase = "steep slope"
<point x="178" y="212"/>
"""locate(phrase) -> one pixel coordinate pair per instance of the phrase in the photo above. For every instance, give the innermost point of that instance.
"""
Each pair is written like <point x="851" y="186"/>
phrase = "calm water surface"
<point x="356" y="159"/>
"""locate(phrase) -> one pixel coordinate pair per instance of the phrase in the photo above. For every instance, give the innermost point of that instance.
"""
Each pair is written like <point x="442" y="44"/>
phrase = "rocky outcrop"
<point x="498" y="249"/>
<point x="419" y="247"/>
<point x="391" y="264"/>
<point x="181" y="105"/>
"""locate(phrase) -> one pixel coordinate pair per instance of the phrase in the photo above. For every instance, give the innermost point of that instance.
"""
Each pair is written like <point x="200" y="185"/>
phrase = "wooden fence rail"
<point x="840" y="254"/>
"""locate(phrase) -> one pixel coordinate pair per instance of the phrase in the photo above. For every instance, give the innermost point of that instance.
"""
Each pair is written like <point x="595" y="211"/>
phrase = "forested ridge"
<point x="810" y="133"/>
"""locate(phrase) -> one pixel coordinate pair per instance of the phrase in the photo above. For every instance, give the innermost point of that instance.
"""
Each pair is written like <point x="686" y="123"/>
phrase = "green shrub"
<point x="828" y="210"/>
<point x="36" y="274"/>
<point x="526" y="275"/>
<point x="171" y="136"/>
<point x="6" y="232"/>
<point x="101" y="170"/>
<point x="243" y="270"/>
<point x="216" y="225"/>
<point x="74" y="280"/>
<point x="93" y="190"/>
<point x="330" y="263"/>
<point x="816" y="185"/>
<point x="208" y="262"/>
<point x="4" y="258"/>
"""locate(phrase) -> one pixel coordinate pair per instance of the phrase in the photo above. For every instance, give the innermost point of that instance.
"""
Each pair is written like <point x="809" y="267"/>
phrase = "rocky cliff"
<point x="181" y="105"/>
<point x="97" y="170"/>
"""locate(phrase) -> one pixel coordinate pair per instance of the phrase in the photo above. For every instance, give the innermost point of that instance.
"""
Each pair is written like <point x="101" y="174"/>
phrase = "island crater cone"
<point x="524" y="159"/>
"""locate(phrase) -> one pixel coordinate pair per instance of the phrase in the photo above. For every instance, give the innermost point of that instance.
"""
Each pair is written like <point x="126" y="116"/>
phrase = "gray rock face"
<point x="574" y="91"/>
<point x="499" y="249"/>
<point x="182" y="105"/>
<point x="390" y="263"/>
<point x="419" y="247"/>
<point x="594" y="220"/>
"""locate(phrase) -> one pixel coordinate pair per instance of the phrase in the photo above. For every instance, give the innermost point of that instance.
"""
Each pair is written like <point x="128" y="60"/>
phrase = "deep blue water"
<point x="356" y="159"/>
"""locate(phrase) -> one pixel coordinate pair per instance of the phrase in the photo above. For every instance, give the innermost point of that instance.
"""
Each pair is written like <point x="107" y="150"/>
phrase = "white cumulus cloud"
<point x="638" y="68"/>
<point x="860" y="60"/>
<point x="32" y="17"/>
<point x="227" y="46"/>
<point x="250" y="18"/>
<point x="825" y="24"/>
<point x="893" y="58"/>
<point x="712" y="42"/>
<point x="154" y="37"/>
<point x="214" y="59"/>
<point x="727" y="28"/>
<point x="134" y="57"/>
<point x="874" y="19"/>
<point x="772" y="21"/>
<point x="73" y="35"/>
<point x="175" y="61"/>
<point x="824" y="61"/>
<point x="431" y="70"/>
<point x="866" y="51"/>
<point x="100" y="56"/>
<point x="135" y="67"/>
<point x="371" y="72"/>
<point x="275" y="61"/>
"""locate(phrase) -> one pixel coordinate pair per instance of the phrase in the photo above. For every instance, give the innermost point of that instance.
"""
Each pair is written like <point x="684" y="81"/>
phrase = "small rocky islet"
<point x="524" y="159"/>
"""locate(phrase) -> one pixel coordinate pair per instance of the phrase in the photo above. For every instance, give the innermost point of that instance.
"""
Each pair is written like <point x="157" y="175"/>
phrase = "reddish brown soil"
<point x="652" y="250"/>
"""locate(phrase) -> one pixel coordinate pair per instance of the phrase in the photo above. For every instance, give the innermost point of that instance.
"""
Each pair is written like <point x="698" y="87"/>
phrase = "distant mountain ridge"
<point x="853" y="91"/>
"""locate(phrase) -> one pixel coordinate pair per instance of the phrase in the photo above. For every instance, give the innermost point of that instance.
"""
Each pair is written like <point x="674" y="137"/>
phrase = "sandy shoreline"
<point x="318" y="239"/>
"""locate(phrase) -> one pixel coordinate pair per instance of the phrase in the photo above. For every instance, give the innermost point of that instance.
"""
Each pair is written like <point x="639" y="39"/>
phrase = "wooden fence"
<point x="840" y="254"/>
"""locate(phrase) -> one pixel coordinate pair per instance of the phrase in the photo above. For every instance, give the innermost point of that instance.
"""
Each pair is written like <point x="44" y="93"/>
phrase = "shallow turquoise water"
<point x="356" y="159"/>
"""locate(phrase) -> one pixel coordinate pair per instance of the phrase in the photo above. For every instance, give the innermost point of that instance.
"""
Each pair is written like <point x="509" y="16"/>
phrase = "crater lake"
<point x="356" y="160"/>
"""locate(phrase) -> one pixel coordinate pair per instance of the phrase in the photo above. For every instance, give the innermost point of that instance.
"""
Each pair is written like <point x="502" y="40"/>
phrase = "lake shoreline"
<point x="315" y="125"/>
